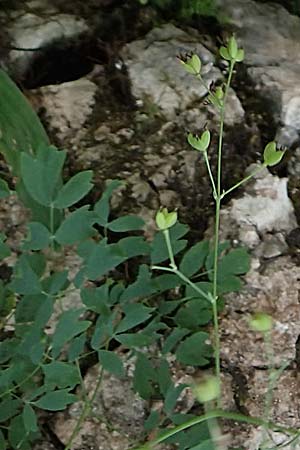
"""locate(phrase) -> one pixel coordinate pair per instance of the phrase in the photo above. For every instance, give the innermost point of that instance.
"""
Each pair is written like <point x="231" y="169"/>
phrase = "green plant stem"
<point x="185" y="279"/>
<point x="217" y="232"/>
<point x="218" y="413"/>
<point x="244" y="180"/>
<point x="85" y="412"/>
<point x="210" y="174"/>
<point x="205" y="85"/>
<point x="170" y="250"/>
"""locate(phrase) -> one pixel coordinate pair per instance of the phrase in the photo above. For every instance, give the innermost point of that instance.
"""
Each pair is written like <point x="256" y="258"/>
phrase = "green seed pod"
<point x="232" y="47"/>
<point x="200" y="144"/>
<point x="192" y="64"/>
<point x="219" y="93"/>
<point x="272" y="156"/>
<point x="205" y="140"/>
<point x="165" y="219"/>
<point x="207" y="390"/>
<point x="261" y="322"/>
<point x="224" y="53"/>
<point x="240" y="55"/>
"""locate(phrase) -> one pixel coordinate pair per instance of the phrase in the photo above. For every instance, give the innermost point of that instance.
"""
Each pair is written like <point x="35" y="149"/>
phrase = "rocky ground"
<point x="121" y="105"/>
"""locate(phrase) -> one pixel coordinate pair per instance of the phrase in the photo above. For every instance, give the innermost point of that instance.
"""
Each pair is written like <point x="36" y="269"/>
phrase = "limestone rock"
<point x="31" y="30"/>
<point x="265" y="205"/>
<point x="156" y="74"/>
<point x="68" y="106"/>
<point x="270" y="36"/>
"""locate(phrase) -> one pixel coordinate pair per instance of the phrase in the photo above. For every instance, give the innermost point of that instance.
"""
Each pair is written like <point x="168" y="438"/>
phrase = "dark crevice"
<point x="62" y="62"/>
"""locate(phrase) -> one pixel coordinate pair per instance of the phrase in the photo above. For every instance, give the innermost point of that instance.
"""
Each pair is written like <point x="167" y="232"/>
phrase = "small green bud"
<point x="219" y="93"/>
<point x="192" y="64"/>
<point x="272" y="156"/>
<point x="201" y="144"/>
<point x="165" y="219"/>
<point x="240" y="55"/>
<point x="207" y="390"/>
<point x="231" y="52"/>
<point x="261" y="322"/>
<point x="232" y="47"/>
<point x="224" y="53"/>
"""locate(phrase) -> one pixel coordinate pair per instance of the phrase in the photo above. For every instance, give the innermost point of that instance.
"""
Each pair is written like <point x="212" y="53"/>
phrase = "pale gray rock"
<point x="68" y="106"/>
<point x="286" y="136"/>
<point x="281" y="84"/>
<point x="157" y="75"/>
<point x="270" y="36"/>
<point x="265" y="204"/>
<point x="32" y="30"/>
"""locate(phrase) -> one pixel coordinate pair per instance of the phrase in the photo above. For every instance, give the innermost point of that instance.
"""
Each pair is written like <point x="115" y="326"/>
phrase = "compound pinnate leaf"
<point x="135" y="314"/>
<point x="193" y="314"/>
<point x="133" y="246"/>
<point x="164" y="377"/>
<point x="102" y="259"/>
<point x="38" y="237"/>
<point x="17" y="434"/>
<point x="73" y="191"/>
<point x="126" y="223"/>
<point x="194" y="350"/>
<point x="102" y="206"/>
<point x="9" y="407"/>
<point x="76" y="347"/>
<point x="194" y="258"/>
<point x="29" y="419"/>
<point x="145" y="377"/>
<point x="172" y="396"/>
<point x="56" y="400"/>
<point x="111" y="362"/>
<point x="60" y="374"/>
<point x="25" y="280"/>
<point x="77" y="226"/>
<point x="135" y="340"/>
<point x="41" y="174"/>
<point x="68" y="327"/>
<point x="176" y="335"/>
<point x="151" y="423"/>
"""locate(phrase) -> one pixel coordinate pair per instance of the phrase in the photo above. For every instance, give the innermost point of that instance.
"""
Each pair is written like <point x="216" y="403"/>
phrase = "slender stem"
<point x="215" y="297"/>
<point x="170" y="250"/>
<point x="244" y="180"/>
<point x="218" y="413"/>
<point x="86" y="409"/>
<point x="210" y="175"/>
<point x="205" y="85"/>
<point x="185" y="279"/>
<point x="217" y="232"/>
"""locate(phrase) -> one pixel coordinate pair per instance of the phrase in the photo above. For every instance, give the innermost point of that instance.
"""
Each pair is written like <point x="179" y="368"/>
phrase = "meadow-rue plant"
<point x="167" y="303"/>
